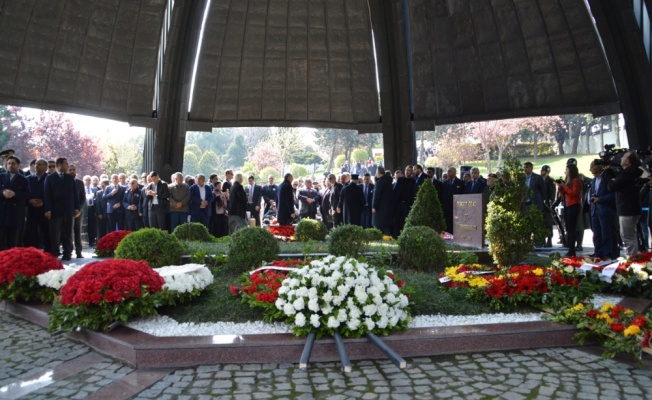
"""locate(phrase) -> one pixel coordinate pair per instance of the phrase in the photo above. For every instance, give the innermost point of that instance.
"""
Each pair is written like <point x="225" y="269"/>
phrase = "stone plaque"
<point x="468" y="220"/>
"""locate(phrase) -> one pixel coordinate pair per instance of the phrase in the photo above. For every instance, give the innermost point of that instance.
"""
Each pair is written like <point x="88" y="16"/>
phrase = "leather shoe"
<point x="569" y="255"/>
<point x="80" y="256"/>
<point x="68" y="258"/>
<point x="579" y="248"/>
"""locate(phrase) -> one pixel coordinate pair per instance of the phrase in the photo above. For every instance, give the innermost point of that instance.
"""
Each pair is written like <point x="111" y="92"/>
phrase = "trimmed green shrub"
<point x="310" y="229"/>
<point x="461" y="257"/>
<point x="346" y="240"/>
<point x="373" y="234"/>
<point x="192" y="231"/>
<point x="157" y="247"/>
<point x="512" y="228"/>
<point x="422" y="249"/>
<point x="426" y="210"/>
<point x="249" y="247"/>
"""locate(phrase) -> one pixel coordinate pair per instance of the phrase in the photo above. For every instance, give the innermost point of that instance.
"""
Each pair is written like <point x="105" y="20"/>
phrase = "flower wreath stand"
<point x="335" y="296"/>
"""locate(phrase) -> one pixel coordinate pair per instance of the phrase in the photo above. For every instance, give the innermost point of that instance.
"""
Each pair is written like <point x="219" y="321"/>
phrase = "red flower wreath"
<point x="28" y="262"/>
<point x="107" y="245"/>
<point x="112" y="281"/>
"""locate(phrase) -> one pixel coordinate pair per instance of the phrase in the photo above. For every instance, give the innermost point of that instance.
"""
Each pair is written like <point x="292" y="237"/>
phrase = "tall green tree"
<point x="190" y="163"/>
<point x="209" y="163"/>
<point x="236" y="153"/>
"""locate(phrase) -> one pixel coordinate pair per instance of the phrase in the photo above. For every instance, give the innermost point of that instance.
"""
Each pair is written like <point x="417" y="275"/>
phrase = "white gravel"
<point x="163" y="325"/>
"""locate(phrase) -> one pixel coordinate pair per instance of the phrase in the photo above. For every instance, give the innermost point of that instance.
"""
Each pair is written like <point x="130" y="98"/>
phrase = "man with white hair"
<point x="237" y="205"/>
<point x="179" y="201"/>
<point x="201" y="196"/>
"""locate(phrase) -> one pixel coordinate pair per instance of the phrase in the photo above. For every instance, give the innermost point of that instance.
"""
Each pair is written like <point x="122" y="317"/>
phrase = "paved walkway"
<point x="36" y="365"/>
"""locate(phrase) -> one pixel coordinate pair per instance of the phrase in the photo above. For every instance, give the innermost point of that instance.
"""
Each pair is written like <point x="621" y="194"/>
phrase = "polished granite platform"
<point x="142" y="350"/>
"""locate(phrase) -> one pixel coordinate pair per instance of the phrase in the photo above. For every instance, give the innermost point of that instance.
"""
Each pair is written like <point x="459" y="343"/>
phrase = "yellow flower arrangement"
<point x="632" y="330"/>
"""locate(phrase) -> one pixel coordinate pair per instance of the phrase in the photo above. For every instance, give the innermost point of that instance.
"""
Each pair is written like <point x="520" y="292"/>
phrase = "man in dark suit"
<point x="476" y="185"/>
<point x="201" y="197"/>
<point x="90" y="218"/>
<point x="404" y="194"/>
<point x="603" y="209"/>
<point x="133" y="204"/>
<point x="435" y="181"/>
<point x="451" y="187"/>
<point x="100" y="209"/>
<point x="254" y="196"/>
<point x="81" y="194"/>
<point x="368" y="191"/>
<point x="269" y="192"/>
<point x="237" y="207"/>
<point x="336" y="192"/>
<point x="535" y="183"/>
<point x="37" y="233"/>
<point x="551" y="195"/>
<point x="14" y="191"/>
<point x="61" y="208"/>
<point x="158" y="200"/>
<point x="114" y="195"/>
<point x="325" y="205"/>
<point x="285" y="213"/>
<point x="382" y="202"/>
<point x="419" y="177"/>
<point x="308" y="200"/>
<point x="352" y="202"/>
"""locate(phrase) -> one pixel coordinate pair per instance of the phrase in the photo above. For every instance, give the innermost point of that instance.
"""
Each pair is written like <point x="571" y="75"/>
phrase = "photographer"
<point x="571" y="191"/>
<point x="628" y="203"/>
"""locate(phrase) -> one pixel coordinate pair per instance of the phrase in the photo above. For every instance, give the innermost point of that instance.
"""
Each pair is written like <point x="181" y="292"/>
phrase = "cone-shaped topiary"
<point x="157" y="247"/>
<point x="422" y="249"/>
<point x="310" y="229"/>
<point x="426" y="210"/>
<point x="511" y="227"/>
<point x="192" y="231"/>
<point x="249" y="247"/>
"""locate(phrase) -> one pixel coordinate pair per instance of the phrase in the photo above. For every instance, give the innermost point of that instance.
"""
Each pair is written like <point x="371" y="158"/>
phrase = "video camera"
<point x="611" y="156"/>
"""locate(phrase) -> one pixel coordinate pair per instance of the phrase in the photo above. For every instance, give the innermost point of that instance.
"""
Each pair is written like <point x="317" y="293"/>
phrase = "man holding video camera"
<point x="628" y="202"/>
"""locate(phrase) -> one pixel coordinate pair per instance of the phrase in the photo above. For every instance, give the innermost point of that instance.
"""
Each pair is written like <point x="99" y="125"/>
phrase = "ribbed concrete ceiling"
<point x="499" y="58"/>
<point x="281" y="62"/>
<point x="94" y="55"/>
<point x="287" y="60"/>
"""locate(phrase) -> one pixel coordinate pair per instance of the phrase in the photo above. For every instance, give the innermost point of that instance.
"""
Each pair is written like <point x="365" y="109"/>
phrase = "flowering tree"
<point x="266" y="155"/>
<point x="53" y="135"/>
<point x="456" y="147"/>
<point x="498" y="133"/>
<point x="546" y="127"/>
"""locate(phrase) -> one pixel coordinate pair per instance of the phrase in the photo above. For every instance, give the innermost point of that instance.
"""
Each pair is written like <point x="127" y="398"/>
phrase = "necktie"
<point x="472" y="184"/>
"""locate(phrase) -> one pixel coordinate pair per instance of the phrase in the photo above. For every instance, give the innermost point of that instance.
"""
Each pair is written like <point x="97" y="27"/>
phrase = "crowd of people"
<point x="47" y="205"/>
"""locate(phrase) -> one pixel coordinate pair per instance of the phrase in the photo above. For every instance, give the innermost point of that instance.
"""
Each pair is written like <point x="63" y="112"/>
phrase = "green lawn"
<point x="557" y="164"/>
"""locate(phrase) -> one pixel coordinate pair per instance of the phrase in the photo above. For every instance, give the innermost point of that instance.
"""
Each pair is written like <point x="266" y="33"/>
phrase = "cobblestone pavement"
<point x="554" y="373"/>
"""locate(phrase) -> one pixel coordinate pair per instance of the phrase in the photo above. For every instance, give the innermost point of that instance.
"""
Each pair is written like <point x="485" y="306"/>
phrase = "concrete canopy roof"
<point x="290" y="62"/>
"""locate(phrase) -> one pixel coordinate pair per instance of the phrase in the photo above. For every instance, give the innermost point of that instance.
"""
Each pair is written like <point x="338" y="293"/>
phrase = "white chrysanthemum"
<point x="382" y="309"/>
<point x="341" y="315"/>
<point x="313" y="293"/>
<point x="300" y="319"/>
<point x="293" y="283"/>
<point x="302" y="291"/>
<point x="288" y="309"/>
<point x="283" y="289"/>
<point x="337" y="300"/>
<point x="333" y="322"/>
<point x="373" y="290"/>
<point x="349" y="280"/>
<point x="327" y="309"/>
<point x="390" y="298"/>
<point x="313" y="305"/>
<point x="299" y="304"/>
<point x="361" y="295"/>
<point x="353" y="324"/>
<point x="370" y="324"/>
<point x="354" y="311"/>
<point x="327" y="296"/>
<point x="343" y="290"/>
<point x="382" y="323"/>
<point x="394" y="320"/>
<point x="378" y="300"/>
<point x="280" y="303"/>
<point x="404" y="300"/>
<point x="370" y="310"/>
<point x="393" y="288"/>
<point x="314" y="320"/>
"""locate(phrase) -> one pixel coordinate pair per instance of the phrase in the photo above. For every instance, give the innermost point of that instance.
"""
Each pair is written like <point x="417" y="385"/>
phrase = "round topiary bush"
<point x="346" y="240"/>
<point x="310" y="229"/>
<point x="422" y="249"/>
<point x="249" y="247"/>
<point x="193" y="232"/>
<point x="373" y="234"/>
<point x="157" y="247"/>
